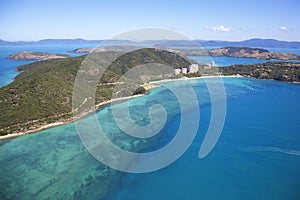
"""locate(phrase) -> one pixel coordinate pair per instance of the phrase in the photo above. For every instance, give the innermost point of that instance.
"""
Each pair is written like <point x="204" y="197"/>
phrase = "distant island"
<point x="255" y="42"/>
<point x="36" y="56"/>
<point x="240" y="52"/>
<point x="123" y="48"/>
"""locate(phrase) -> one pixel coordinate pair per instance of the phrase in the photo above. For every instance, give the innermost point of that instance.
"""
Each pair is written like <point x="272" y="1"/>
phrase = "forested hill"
<point x="280" y="71"/>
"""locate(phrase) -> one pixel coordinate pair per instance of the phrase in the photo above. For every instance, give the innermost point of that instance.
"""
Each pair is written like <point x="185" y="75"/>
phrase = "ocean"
<point x="256" y="157"/>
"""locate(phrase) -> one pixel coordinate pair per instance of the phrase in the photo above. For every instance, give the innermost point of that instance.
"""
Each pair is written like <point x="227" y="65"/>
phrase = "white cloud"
<point x="283" y="28"/>
<point x="220" y="28"/>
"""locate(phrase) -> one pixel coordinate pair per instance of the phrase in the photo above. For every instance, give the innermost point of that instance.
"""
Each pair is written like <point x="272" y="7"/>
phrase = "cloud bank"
<point x="220" y="28"/>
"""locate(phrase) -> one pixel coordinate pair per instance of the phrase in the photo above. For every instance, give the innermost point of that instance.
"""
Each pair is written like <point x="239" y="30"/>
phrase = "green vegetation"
<point x="281" y="71"/>
<point x="42" y="93"/>
<point x="139" y="90"/>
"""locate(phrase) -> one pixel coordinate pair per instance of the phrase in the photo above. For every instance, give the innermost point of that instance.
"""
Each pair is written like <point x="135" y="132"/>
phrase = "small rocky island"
<point x="36" y="56"/>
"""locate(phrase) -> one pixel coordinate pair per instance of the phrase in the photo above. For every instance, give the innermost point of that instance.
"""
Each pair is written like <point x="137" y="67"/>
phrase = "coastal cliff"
<point x="36" y="56"/>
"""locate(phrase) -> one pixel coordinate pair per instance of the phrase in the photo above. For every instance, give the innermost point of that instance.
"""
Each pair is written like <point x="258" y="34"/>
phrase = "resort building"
<point x="193" y="68"/>
<point x="184" y="70"/>
<point x="177" y="71"/>
<point x="212" y="64"/>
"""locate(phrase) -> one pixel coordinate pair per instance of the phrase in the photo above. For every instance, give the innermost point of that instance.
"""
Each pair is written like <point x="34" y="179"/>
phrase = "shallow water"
<point x="257" y="156"/>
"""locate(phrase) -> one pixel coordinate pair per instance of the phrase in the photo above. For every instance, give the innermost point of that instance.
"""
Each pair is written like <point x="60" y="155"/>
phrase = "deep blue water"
<point x="256" y="157"/>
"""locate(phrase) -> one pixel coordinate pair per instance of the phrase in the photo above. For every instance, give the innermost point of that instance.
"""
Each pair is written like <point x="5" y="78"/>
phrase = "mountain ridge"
<point x="254" y="42"/>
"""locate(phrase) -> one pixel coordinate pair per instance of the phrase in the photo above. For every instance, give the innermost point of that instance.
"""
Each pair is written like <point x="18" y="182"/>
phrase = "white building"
<point x="184" y="70"/>
<point x="193" y="68"/>
<point x="212" y="64"/>
<point x="177" y="71"/>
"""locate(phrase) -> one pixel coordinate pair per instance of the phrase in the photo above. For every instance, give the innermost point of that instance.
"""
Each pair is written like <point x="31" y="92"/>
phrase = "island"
<point x="258" y="53"/>
<point x="42" y="95"/>
<point x="25" y="55"/>
<point x="123" y="48"/>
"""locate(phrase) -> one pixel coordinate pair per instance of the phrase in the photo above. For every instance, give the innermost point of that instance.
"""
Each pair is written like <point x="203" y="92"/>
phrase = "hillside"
<point x="246" y="52"/>
<point x="42" y="93"/>
<point x="280" y="71"/>
<point x="240" y="52"/>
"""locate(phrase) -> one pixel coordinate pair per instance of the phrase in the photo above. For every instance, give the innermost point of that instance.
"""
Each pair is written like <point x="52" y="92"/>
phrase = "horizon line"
<point x="89" y="40"/>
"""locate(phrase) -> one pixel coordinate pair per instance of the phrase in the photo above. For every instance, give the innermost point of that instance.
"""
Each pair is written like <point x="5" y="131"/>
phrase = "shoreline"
<point x="66" y="121"/>
<point x="148" y="86"/>
<point x="195" y="78"/>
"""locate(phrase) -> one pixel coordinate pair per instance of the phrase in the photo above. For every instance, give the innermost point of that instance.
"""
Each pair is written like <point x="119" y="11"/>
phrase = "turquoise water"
<point x="257" y="156"/>
<point x="224" y="61"/>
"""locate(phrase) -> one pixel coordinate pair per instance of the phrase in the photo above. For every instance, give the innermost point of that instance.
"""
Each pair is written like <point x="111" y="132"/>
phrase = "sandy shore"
<point x="147" y="86"/>
<point x="66" y="121"/>
<point x="193" y="78"/>
<point x="72" y="119"/>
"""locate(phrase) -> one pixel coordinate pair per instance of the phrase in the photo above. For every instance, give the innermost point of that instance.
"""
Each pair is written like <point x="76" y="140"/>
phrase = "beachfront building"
<point x="184" y="70"/>
<point x="177" y="71"/>
<point x="193" y="68"/>
<point x="212" y="64"/>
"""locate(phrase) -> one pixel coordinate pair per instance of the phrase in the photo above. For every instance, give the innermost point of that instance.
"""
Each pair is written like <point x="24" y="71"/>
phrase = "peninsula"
<point x="279" y="71"/>
<point x="36" y="56"/>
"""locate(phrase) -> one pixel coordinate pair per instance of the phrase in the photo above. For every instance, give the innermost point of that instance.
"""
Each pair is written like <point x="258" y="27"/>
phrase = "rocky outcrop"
<point x="35" y="56"/>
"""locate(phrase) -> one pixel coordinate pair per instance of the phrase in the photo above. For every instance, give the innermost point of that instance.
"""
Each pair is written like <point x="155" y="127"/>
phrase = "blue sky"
<point x="98" y="19"/>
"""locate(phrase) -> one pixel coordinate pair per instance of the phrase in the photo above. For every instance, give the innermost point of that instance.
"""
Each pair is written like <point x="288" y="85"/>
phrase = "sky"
<point x="234" y="20"/>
